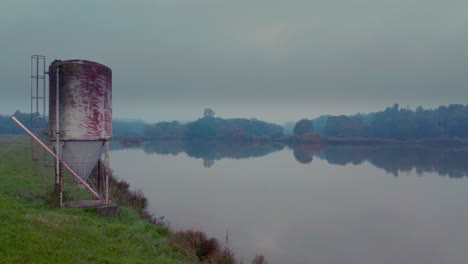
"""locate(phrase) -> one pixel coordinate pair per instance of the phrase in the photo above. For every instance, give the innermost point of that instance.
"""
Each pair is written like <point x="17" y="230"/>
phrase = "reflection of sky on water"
<point x="315" y="213"/>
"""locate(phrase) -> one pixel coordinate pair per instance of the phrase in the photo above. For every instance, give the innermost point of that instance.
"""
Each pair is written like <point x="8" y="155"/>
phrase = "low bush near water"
<point x="207" y="250"/>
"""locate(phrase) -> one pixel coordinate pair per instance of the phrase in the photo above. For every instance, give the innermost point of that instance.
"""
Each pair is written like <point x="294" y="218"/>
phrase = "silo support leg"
<point x="107" y="172"/>
<point x="57" y="179"/>
<point x="61" y="183"/>
<point x="100" y="185"/>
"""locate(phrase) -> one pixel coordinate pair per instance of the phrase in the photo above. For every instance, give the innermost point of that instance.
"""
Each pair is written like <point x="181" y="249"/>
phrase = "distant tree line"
<point x="398" y="123"/>
<point x="392" y="123"/>
<point x="209" y="127"/>
<point x="206" y="128"/>
<point x="7" y="126"/>
<point x="164" y="130"/>
<point x="127" y="128"/>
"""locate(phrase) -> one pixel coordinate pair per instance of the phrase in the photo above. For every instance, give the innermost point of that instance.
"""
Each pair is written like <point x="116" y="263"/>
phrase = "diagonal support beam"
<point x="85" y="184"/>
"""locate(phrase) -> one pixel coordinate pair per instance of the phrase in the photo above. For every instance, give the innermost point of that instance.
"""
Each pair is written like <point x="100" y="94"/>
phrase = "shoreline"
<point x="134" y="232"/>
<point x="443" y="142"/>
<point x="292" y="139"/>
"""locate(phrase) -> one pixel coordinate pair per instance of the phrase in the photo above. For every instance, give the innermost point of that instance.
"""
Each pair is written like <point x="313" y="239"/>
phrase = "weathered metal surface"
<point x="85" y="100"/>
<point x="82" y="155"/>
<point x="78" y="178"/>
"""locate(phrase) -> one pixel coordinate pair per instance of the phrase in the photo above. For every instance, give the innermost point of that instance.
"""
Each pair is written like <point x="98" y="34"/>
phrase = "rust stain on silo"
<point x="85" y="100"/>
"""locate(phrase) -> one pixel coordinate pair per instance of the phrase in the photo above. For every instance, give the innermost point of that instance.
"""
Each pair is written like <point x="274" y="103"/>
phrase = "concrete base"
<point x="101" y="208"/>
<point x="108" y="210"/>
<point x="84" y="203"/>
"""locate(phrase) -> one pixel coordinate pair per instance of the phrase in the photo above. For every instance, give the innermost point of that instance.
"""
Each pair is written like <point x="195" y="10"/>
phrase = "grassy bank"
<point x="35" y="231"/>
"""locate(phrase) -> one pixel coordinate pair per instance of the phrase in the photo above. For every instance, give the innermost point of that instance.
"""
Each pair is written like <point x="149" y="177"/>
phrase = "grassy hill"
<point x="34" y="231"/>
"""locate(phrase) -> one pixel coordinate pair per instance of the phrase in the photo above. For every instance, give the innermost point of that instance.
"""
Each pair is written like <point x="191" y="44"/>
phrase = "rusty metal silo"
<point x="80" y="111"/>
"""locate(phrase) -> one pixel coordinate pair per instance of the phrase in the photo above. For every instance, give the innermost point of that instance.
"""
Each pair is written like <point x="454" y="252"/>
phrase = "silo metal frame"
<point x="38" y="104"/>
<point x="38" y="122"/>
<point x="53" y="154"/>
<point x="69" y="75"/>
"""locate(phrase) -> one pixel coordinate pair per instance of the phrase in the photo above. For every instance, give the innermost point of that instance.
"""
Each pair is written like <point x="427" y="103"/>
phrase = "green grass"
<point x="32" y="230"/>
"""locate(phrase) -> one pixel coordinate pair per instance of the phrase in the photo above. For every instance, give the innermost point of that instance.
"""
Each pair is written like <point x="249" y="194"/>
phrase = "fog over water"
<point x="336" y="205"/>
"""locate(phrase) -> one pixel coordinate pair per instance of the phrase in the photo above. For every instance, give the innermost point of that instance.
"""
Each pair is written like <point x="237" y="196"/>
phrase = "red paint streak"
<point x="85" y="96"/>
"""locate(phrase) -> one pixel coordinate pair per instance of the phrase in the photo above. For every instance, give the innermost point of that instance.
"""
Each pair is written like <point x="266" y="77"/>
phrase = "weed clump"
<point x="208" y="250"/>
<point x="122" y="194"/>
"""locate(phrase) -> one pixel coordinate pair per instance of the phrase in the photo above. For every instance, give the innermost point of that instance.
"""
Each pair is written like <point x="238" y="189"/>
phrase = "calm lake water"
<point x="310" y="204"/>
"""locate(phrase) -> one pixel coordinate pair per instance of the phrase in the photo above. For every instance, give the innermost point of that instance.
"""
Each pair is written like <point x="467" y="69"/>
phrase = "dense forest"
<point x="398" y="123"/>
<point x="214" y="128"/>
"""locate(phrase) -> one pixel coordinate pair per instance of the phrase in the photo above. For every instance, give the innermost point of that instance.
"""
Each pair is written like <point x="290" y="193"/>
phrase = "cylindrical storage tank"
<point x="85" y="100"/>
<point x="85" y="111"/>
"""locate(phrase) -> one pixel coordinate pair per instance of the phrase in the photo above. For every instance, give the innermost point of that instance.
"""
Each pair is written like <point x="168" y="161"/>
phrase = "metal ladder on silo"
<point x="38" y="103"/>
<point x="38" y="121"/>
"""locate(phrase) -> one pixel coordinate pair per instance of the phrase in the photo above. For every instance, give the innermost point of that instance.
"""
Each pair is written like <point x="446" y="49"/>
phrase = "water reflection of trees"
<point x="450" y="162"/>
<point x="447" y="161"/>
<point x="164" y="147"/>
<point x="304" y="153"/>
<point x="210" y="151"/>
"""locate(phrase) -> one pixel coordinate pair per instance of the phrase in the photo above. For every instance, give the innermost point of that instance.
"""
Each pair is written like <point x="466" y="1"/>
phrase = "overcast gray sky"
<point x="266" y="59"/>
